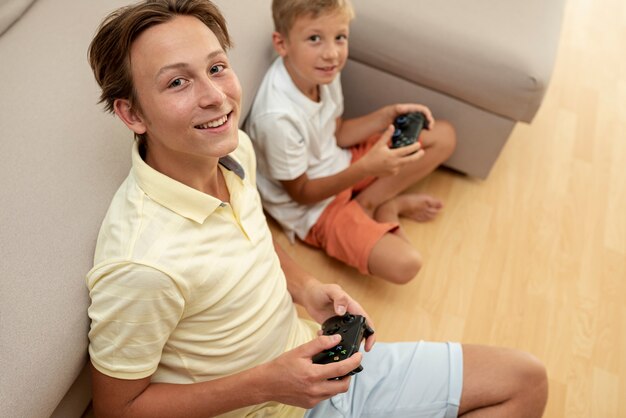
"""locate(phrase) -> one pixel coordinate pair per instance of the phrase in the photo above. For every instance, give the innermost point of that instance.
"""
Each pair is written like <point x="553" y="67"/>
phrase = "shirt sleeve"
<point x="134" y="309"/>
<point x="281" y="147"/>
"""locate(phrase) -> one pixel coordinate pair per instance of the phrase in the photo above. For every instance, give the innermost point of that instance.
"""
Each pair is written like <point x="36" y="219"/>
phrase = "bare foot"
<point x="419" y="207"/>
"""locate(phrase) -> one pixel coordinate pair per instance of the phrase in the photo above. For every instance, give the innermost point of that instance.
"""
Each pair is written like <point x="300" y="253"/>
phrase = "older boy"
<point x="335" y="183"/>
<point x="192" y="308"/>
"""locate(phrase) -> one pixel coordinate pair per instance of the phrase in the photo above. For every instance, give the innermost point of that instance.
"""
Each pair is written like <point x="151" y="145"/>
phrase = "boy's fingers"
<point x="339" y="298"/>
<point x="411" y="157"/>
<point x="349" y="364"/>
<point x="408" y="149"/>
<point x="369" y="342"/>
<point x="415" y="156"/>
<point x="386" y="135"/>
<point x="321" y="343"/>
<point x="431" y="120"/>
<point x="343" y="367"/>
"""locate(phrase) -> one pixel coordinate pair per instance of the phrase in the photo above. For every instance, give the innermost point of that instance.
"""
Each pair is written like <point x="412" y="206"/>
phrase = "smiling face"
<point x="315" y="50"/>
<point x="189" y="97"/>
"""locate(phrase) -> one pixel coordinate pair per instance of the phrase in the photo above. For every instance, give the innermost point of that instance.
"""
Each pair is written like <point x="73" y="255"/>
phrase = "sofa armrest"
<point x="497" y="56"/>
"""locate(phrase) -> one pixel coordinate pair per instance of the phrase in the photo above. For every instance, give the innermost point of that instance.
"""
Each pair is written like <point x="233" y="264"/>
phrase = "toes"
<point x="434" y="203"/>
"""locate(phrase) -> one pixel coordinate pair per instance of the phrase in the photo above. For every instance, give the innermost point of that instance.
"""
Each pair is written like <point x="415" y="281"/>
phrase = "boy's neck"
<point x="201" y="174"/>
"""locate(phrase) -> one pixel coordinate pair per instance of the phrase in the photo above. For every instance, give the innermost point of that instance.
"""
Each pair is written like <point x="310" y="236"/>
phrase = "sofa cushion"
<point x="62" y="160"/>
<point x="10" y="11"/>
<point x="466" y="49"/>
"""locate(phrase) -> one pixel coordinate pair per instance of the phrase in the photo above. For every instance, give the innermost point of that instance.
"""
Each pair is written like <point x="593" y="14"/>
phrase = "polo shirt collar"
<point x="178" y="197"/>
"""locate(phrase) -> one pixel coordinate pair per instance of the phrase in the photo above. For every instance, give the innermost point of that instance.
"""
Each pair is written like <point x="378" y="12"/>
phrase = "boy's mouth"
<point x="215" y="123"/>
<point x="327" y="69"/>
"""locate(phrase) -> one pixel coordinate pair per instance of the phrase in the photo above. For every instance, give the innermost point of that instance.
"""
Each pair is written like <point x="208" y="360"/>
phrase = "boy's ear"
<point x="129" y="116"/>
<point x="280" y="43"/>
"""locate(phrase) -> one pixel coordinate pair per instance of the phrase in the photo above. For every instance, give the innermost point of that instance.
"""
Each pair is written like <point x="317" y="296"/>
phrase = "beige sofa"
<point x="483" y="65"/>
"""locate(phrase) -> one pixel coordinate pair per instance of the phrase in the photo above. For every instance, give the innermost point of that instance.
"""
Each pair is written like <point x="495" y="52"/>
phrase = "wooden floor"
<point x="534" y="257"/>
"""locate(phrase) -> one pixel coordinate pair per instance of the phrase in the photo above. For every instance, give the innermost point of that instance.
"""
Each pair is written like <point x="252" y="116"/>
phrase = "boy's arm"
<point x="290" y="379"/>
<point x="114" y="397"/>
<point x="379" y="161"/>
<point x="349" y="132"/>
<point x="320" y="300"/>
<point x="307" y="191"/>
<point x="299" y="283"/>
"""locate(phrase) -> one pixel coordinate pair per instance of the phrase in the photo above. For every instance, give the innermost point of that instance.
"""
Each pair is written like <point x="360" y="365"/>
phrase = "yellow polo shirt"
<point x="186" y="288"/>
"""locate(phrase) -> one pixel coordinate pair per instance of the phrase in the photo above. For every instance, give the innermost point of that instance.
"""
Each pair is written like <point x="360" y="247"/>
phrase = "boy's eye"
<point x="342" y="37"/>
<point x="176" y="83"/>
<point x="216" y="69"/>
<point x="314" y="38"/>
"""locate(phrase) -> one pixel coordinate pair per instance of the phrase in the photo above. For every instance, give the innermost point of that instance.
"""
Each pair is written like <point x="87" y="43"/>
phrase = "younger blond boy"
<point x="334" y="183"/>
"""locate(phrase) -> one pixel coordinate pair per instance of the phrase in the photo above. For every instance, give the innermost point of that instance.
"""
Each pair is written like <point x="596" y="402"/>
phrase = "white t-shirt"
<point x="293" y="135"/>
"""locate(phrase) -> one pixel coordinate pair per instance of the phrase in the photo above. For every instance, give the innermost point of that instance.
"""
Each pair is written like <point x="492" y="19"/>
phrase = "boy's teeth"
<point x="214" y="123"/>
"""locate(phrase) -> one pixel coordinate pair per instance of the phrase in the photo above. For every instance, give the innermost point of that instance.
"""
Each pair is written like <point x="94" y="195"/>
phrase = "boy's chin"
<point x="229" y="146"/>
<point x="327" y="79"/>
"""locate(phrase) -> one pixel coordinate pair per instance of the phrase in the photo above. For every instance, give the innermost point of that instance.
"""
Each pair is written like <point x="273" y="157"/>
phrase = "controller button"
<point x="401" y="120"/>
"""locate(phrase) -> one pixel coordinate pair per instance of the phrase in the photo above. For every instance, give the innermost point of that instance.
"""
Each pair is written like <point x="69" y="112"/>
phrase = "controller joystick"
<point x="353" y="329"/>
<point x="408" y="128"/>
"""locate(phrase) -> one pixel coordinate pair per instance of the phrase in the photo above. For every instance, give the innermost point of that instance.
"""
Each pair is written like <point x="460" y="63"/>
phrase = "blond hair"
<point x="285" y="12"/>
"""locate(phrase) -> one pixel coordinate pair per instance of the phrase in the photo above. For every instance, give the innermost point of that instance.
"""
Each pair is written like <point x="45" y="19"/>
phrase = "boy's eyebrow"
<point x="179" y="65"/>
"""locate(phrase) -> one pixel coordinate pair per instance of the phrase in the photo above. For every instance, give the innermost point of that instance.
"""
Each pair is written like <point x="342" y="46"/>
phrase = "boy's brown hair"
<point x="109" y="51"/>
<point x="285" y="12"/>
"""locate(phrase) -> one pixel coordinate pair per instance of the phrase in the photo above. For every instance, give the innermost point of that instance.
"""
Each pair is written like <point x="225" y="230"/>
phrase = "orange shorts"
<point x="344" y="230"/>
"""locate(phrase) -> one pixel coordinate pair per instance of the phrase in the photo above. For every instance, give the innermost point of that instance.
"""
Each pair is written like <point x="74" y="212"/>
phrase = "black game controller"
<point x="408" y="129"/>
<point x="353" y="329"/>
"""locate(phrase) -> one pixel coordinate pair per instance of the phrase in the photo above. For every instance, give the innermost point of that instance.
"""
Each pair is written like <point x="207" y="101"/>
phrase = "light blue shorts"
<point x="401" y="380"/>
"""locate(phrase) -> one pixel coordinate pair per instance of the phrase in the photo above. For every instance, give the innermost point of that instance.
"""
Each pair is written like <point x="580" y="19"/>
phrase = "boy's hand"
<point x="381" y="161"/>
<point x="403" y="108"/>
<point x="295" y="380"/>
<point x="326" y="300"/>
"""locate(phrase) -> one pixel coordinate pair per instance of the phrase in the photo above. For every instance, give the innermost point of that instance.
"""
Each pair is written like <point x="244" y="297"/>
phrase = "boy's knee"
<point x="532" y="379"/>
<point x="446" y="142"/>
<point x="535" y="373"/>
<point x="405" y="268"/>
<point x="394" y="260"/>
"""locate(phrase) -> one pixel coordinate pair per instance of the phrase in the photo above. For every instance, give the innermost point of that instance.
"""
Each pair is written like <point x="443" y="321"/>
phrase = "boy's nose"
<point x="330" y="52"/>
<point x="209" y="93"/>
